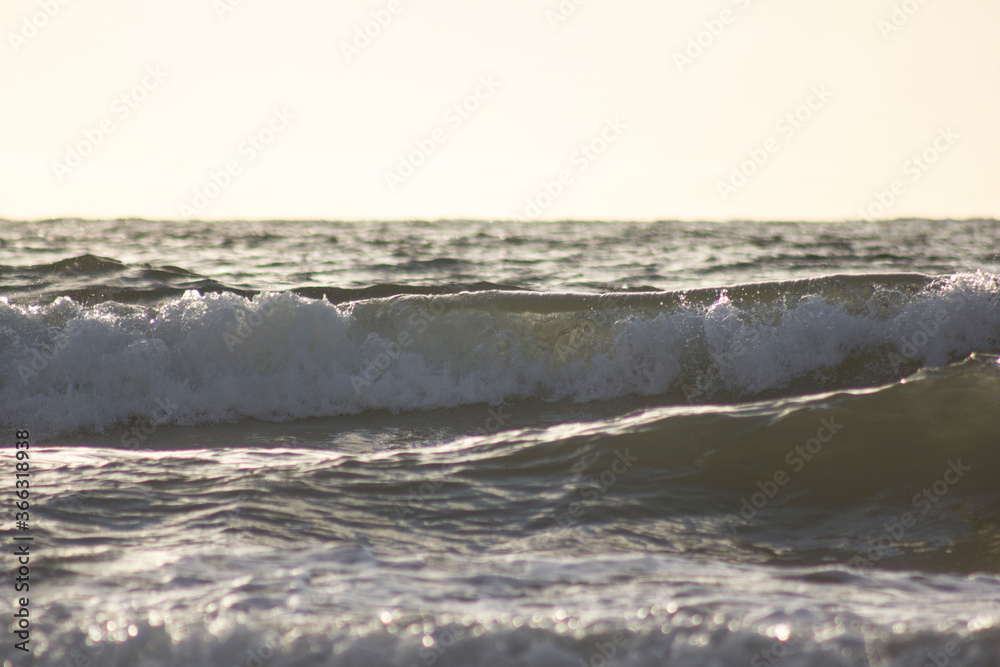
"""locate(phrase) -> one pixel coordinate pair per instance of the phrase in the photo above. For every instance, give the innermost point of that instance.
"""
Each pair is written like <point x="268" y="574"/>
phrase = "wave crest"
<point x="223" y="357"/>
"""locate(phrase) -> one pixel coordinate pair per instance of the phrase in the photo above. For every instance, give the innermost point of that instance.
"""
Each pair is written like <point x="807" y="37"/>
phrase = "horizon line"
<point x="505" y="220"/>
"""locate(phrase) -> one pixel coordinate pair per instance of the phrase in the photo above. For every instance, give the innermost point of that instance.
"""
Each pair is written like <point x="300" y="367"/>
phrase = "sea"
<point x="464" y="443"/>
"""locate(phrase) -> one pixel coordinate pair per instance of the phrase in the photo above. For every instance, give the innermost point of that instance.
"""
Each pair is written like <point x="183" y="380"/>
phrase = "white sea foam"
<point x="223" y="358"/>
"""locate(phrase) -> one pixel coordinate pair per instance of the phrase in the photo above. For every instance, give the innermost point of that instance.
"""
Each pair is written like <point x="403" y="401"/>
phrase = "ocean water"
<point x="466" y="443"/>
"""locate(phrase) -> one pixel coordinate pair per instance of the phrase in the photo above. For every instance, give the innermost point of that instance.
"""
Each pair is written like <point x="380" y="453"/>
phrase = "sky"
<point x="520" y="109"/>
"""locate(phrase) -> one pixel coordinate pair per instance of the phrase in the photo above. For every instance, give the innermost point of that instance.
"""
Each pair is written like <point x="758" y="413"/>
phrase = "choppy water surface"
<point x="455" y="443"/>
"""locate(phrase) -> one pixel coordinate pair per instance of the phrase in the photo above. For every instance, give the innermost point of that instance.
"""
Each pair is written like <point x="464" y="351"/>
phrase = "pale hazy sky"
<point x="119" y="108"/>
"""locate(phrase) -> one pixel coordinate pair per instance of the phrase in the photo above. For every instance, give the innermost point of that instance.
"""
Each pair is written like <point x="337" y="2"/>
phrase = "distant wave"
<point x="91" y="280"/>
